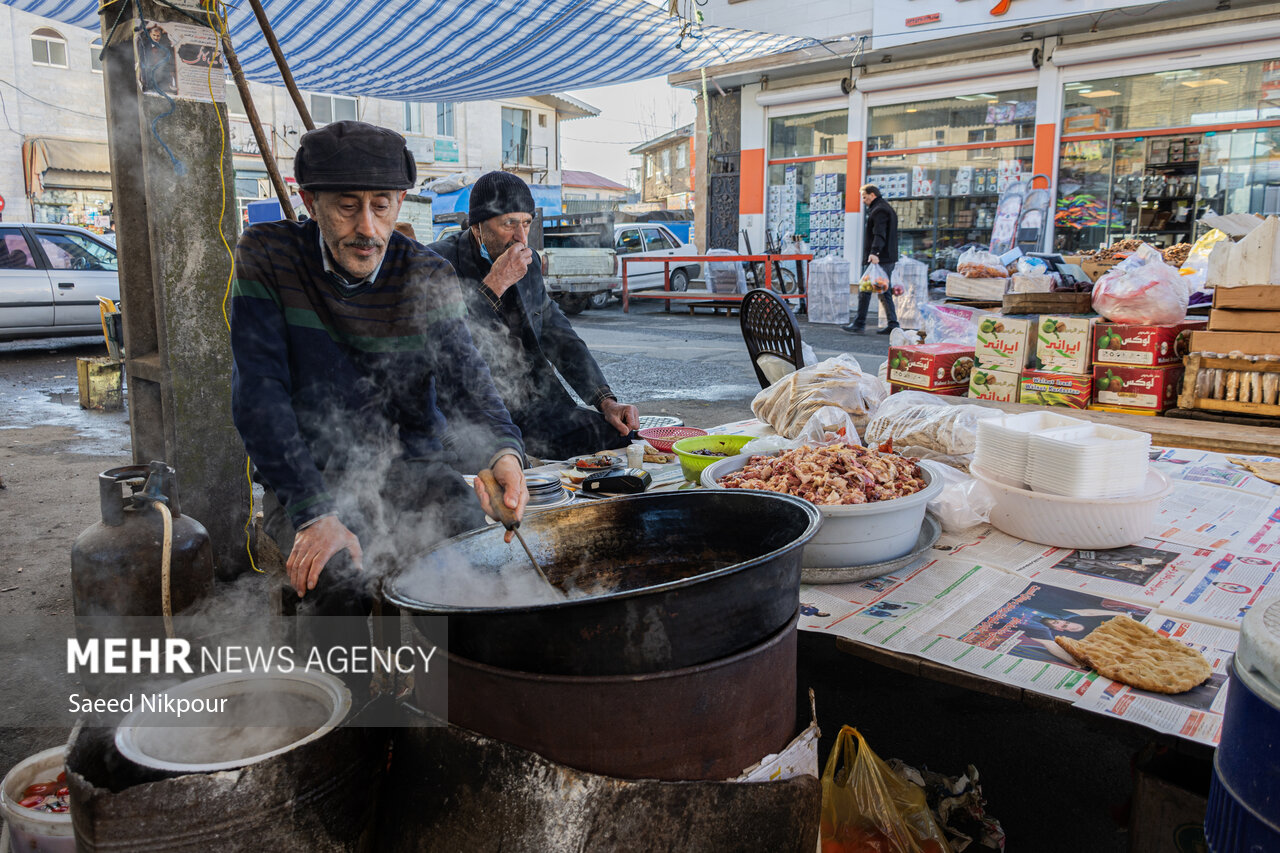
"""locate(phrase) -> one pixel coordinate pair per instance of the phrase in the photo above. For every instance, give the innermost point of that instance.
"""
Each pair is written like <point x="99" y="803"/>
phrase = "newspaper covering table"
<point x="990" y="604"/>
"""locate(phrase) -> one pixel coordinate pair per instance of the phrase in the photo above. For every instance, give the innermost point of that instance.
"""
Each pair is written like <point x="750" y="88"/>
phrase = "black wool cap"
<point x="496" y="193"/>
<point x="353" y="155"/>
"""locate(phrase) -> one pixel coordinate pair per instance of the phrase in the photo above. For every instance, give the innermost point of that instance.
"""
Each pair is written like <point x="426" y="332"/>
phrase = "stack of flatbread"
<point x="1127" y="651"/>
<point x="787" y="404"/>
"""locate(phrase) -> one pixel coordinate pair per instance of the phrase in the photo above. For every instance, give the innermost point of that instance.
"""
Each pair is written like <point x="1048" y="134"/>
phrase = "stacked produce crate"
<point x="1004" y="347"/>
<point x="1063" y="374"/>
<point x="944" y="369"/>
<point x="1138" y="369"/>
<point x="1234" y="366"/>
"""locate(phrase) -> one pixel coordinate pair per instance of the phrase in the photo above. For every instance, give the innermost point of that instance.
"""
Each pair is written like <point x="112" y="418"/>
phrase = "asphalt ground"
<point x="1057" y="781"/>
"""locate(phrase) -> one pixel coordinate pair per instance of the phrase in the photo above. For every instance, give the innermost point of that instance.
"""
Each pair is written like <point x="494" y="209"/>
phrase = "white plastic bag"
<point x="1142" y="289"/>
<point x="787" y="404"/>
<point x="915" y="419"/>
<point x="979" y="263"/>
<point x="909" y="284"/>
<point x="963" y="501"/>
<point x="725" y="276"/>
<point x="827" y="291"/>
<point x="873" y="280"/>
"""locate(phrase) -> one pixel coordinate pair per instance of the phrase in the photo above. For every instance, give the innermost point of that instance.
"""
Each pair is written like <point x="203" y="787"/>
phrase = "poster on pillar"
<point x="181" y="61"/>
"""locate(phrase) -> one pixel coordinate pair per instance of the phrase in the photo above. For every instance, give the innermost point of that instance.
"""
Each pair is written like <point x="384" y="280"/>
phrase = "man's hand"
<point x="623" y="418"/>
<point x="875" y="259"/>
<point x="515" y="493"/>
<point x="314" y="546"/>
<point x="508" y="268"/>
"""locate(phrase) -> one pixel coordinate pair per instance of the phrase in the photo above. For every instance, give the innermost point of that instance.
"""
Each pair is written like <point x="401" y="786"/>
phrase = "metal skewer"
<point x="508" y="520"/>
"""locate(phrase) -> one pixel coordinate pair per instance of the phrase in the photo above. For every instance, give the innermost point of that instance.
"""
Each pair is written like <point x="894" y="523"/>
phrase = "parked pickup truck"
<point x="578" y="258"/>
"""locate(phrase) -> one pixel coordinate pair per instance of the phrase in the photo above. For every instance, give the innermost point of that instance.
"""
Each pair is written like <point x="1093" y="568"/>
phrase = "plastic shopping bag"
<point x="873" y="279"/>
<point x="979" y="263"/>
<point x="1142" y="289"/>
<point x="787" y="404"/>
<point x="867" y="807"/>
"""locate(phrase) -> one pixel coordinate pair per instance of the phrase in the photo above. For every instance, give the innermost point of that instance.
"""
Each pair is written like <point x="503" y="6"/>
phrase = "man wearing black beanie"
<point x="347" y="338"/>
<point x="523" y="334"/>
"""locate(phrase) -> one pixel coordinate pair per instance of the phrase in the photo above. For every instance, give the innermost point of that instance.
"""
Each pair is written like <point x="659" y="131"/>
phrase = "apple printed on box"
<point x="1153" y="388"/>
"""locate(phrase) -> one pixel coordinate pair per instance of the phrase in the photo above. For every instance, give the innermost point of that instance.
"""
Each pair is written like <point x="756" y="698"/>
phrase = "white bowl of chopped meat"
<point x="872" y="503"/>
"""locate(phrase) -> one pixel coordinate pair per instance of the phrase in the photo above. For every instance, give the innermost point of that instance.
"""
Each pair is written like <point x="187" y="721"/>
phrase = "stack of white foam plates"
<point x="1002" y="448"/>
<point x="1090" y="461"/>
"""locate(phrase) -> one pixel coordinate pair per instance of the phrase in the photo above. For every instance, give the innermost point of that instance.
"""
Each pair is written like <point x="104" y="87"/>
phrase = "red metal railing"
<point x="702" y="295"/>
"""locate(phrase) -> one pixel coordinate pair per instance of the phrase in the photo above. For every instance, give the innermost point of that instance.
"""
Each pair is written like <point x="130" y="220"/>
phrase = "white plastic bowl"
<point x="858" y="534"/>
<point x="1064" y="522"/>
<point x="42" y="832"/>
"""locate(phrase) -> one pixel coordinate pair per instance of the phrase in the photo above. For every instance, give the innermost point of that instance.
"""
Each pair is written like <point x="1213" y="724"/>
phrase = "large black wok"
<point x="684" y="578"/>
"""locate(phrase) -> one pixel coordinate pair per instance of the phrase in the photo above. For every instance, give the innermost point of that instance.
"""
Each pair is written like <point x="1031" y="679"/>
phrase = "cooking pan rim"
<point x="815" y="521"/>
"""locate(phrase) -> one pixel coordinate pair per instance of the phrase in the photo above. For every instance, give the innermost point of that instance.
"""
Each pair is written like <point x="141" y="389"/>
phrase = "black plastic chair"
<point x="772" y="335"/>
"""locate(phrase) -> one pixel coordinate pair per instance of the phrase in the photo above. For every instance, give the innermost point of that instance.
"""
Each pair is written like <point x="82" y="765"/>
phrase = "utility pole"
<point x="174" y="200"/>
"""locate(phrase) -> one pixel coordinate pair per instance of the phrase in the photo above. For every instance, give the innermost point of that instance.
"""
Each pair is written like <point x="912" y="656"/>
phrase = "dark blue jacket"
<point x="324" y="380"/>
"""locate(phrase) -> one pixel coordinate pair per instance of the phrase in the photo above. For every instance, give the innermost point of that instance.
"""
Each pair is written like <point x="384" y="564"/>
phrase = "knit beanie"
<point x="353" y="155"/>
<point x="496" y="193"/>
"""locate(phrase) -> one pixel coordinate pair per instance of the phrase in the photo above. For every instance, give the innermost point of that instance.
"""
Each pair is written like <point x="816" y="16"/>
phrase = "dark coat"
<point x="521" y="360"/>
<point x="881" y="232"/>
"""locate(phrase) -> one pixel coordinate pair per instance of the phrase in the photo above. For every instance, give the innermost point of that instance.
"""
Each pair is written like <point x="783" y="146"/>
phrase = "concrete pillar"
<point x="173" y="276"/>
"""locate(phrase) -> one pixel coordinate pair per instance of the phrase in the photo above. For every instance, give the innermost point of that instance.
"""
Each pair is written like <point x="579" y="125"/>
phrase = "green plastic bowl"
<point x="692" y="463"/>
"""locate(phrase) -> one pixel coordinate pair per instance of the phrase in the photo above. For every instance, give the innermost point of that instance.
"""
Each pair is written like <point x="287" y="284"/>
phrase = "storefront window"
<point x="808" y="155"/>
<point x="1157" y="183"/>
<point x="810" y="135"/>
<point x="1222" y="94"/>
<point x="930" y="162"/>
<point x="89" y="209"/>
<point x="985" y="117"/>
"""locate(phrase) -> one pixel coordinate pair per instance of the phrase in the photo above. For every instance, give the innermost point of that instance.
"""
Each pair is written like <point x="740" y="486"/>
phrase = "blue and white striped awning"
<point x="460" y="50"/>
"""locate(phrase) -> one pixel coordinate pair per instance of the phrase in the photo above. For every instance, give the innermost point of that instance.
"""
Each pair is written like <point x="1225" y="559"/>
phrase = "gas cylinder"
<point x="116" y="564"/>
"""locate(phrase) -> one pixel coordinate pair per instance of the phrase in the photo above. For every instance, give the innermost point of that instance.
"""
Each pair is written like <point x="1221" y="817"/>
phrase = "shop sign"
<point x="923" y="18"/>
<point x="423" y="149"/>
<point x="446" y="150"/>
<point x="242" y="138"/>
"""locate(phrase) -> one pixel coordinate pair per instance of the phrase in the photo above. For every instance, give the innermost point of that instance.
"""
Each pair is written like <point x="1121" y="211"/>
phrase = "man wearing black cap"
<point x="522" y="333"/>
<point x="346" y="338"/>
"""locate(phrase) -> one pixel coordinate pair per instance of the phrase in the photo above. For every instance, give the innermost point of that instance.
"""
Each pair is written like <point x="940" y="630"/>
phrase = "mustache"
<point x="363" y="243"/>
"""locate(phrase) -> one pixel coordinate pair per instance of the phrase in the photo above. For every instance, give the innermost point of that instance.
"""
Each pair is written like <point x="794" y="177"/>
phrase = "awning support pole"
<point x="270" y="36"/>
<point x="264" y="144"/>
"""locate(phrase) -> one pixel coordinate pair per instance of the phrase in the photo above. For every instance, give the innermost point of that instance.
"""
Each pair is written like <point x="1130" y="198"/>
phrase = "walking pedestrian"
<point x="879" y="246"/>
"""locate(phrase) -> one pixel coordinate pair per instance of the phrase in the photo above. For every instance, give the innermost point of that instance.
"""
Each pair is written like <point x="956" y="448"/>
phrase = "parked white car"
<point x="652" y="240"/>
<point x="50" y="279"/>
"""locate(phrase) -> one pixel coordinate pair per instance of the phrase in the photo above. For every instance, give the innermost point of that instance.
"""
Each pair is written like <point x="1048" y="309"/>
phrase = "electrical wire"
<point x="220" y="29"/>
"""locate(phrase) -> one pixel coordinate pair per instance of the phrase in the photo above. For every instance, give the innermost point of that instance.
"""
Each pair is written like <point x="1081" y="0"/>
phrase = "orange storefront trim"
<point x="1045" y="150"/>
<point x="853" y="178"/>
<point x="751" y="181"/>
<point x="806" y="159"/>
<point x="1172" y="131"/>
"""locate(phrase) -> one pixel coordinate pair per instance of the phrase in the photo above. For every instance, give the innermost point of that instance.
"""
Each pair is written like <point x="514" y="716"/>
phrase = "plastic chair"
<point x="772" y="335"/>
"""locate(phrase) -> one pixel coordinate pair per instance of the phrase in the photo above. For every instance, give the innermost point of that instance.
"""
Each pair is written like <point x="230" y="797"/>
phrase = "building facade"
<point x="53" y="146"/>
<point x="588" y="186"/>
<point x="1137" y="121"/>
<point x="666" y="169"/>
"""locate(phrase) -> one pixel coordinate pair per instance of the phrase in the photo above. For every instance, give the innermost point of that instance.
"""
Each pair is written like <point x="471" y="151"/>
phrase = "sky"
<point x="630" y="113"/>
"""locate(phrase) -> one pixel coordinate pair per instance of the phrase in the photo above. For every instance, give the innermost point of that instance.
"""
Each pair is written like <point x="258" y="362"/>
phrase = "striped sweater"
<point x="328" y="380"/>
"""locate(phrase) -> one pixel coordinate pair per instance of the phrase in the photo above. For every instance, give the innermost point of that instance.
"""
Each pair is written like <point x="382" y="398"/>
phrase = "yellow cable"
<point x="166" y="559"/>
<point x="220" y="28"/>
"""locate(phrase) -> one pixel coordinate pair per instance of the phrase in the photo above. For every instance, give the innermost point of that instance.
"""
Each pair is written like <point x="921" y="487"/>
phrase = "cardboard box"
<point x="948" y="391"/>
<point x="1143" y="345"/>
<point x="1254" y="297"/>
<point x="998" y="385"/>
<point x="1121" y="410"/>
<point x="1249" y="343"/>
<point x="1005" y="343"/>
<point x="1039" y="388"/>
<point x="1064" y="343"/>
<point x="1152" y="388"/>
<point x="1235" y="320"/>
<point x="930" y="366"/>
<point x="1095" y="268"/>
